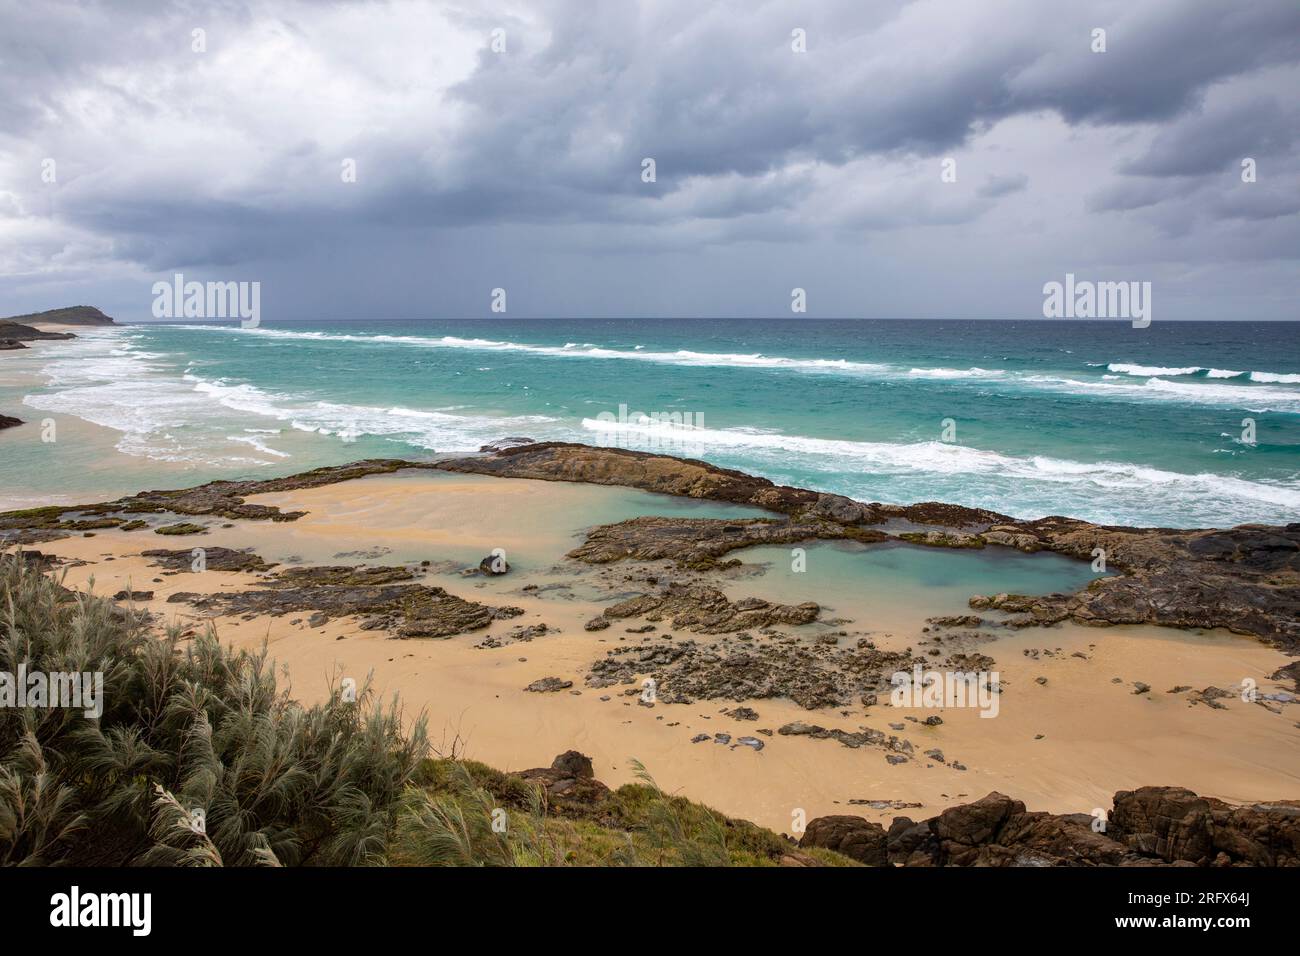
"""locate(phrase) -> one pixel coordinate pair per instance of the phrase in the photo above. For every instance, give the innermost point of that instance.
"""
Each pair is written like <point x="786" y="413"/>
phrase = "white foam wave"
<point x="686" y="357"/>
<point x="1249" y="398"/>
<point x="1149" y="370"/>
<point x="1275" y="377"/>
<point x="103" y="379"/>
<point x="1144" y="371"/>
<point x="1156" y="389"/>
<point x="942" y="458"/>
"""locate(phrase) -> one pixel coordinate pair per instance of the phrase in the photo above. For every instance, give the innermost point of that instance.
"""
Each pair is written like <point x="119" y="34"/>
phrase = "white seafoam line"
<point x="164" y="416"/>
<point x="1254" y="398"/>
<point x="149" y="411"/>
<point x="934" y="457"/>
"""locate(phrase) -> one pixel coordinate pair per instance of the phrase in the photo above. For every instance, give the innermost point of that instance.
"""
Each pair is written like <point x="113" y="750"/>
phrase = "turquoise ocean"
<point x="1092" y="419"/>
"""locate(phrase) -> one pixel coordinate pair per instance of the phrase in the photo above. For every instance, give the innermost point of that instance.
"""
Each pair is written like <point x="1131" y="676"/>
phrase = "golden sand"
<point x="1064" y="746"/>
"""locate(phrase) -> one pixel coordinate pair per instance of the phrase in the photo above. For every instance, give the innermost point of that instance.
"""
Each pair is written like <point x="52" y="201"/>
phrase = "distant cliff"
<point x="74" y="315"/>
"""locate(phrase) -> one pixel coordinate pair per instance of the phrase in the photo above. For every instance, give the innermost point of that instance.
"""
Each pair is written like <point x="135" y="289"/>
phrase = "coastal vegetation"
<point x="201" y="758"/>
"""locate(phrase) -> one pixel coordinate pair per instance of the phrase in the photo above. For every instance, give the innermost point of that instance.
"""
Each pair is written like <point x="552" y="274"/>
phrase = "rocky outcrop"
<point x="1246" y="579"/>
<point x="1152" y="826"/>
<point x="696" y="542"/>
<point x="379" y="596"/>
<point x="1176" y="825"/>
<point x="214" y="559"/>
<point x="690" y="478"/>
<point x="501" y="444"/>
<point x="745" y="667"/>
<point x="706" y="610"/>
<point x="856" y="838"/>
<point x="8" y="422"/>
<point x="569" y="784"/>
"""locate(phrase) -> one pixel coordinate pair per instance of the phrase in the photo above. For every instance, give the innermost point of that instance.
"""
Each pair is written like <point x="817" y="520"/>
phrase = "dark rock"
<point x="549" y="685"/>
<point x="375" y="594"/>
<point x="855" y="837"/>
<point x="570" y="785"/>
<point x="501" y="444"/>
<point x="184" y="527"/>
<point x="704" y="609"/>
<point x="215" y="559"/>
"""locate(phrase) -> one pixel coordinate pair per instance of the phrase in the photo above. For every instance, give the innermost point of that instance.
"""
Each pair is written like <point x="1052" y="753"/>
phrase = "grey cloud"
<point x="996" y="186"/>
<point x="1209" y="141"/>
<point x="536" y="154"/>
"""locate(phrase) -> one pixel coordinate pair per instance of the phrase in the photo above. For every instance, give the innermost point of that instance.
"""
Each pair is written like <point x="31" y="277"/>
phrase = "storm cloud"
<point x="909" y="159"/>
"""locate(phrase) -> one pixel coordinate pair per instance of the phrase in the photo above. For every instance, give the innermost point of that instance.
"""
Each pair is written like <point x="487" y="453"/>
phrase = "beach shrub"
<point x="198" y="756"/>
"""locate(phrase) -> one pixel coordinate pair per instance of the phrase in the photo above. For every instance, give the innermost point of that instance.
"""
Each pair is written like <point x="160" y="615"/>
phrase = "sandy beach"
<point x="1071" y="729"/>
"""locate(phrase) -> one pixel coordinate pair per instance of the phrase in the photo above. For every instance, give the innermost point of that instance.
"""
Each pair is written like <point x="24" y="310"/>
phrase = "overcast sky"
<point x="775" y="169"/>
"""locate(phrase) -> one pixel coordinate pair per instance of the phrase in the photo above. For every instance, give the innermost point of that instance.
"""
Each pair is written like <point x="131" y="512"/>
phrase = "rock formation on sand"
<point x="1245" y="579"/>
<point x="1151" y="826"/>
<point x="8" y="422"/>
<point x="383" y="598"/>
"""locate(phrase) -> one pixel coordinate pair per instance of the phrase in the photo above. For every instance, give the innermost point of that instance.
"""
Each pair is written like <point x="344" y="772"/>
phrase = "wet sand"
<point x="1097" y="736"/>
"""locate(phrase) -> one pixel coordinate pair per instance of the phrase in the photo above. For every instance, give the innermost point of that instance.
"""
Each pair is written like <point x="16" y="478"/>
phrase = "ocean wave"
<point x="931" y="458"/>
<point x="174" y="416"/>
<point x="1149" y="370"/>
<point x="685" y="357"/>
<point x="1251" y="398"/>
<point x="434" y="430"/>
<point x="259" y="444"/>
<point x="955" y="373"/>
<point x="1247" y="398"/>
<point x="1275" y="378"/>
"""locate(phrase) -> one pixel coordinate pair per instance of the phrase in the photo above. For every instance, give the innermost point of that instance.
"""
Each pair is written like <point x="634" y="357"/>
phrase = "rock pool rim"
<point x="1245" y="579"/>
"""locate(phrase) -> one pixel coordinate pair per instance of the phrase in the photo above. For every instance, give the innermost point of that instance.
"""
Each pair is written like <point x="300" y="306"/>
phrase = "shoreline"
<point x="1097" y="736"/>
